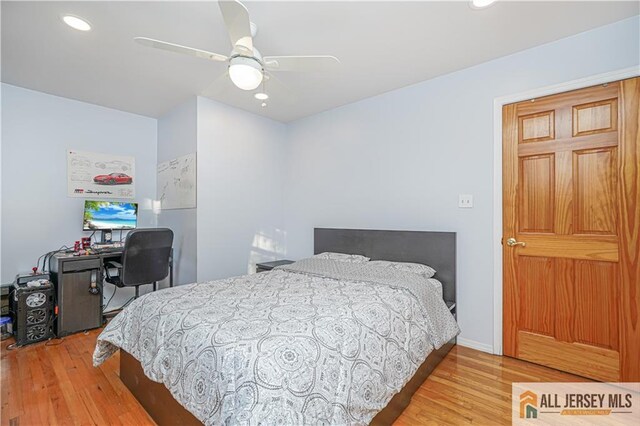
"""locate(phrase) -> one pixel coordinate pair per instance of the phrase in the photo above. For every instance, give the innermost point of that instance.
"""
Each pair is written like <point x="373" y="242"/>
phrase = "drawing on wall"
<point x="95" y="175"/>
<point x="177" y="183"/>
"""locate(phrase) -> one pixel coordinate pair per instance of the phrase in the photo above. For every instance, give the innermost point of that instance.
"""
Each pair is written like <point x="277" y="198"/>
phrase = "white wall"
<point x="37" y="130"/>
<point x="240" y="183"/>
<point x="395" y="161"/>
<point x="399" y="160"/>
<point x="177" y="137"/>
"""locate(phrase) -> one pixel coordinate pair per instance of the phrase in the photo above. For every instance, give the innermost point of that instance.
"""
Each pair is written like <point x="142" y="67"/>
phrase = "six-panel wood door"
<point x="571" y="195"/>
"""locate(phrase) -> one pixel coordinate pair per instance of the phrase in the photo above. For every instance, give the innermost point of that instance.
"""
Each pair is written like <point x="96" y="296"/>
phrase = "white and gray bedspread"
<point x="318" y="341"/>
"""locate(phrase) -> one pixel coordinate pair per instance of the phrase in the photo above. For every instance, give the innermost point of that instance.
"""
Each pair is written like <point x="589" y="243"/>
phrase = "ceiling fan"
<point x="247" y="67"/>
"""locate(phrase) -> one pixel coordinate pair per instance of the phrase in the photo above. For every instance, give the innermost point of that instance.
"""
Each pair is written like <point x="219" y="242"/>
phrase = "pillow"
<point x="416" y="268"/>
<point x="342" y="257"/>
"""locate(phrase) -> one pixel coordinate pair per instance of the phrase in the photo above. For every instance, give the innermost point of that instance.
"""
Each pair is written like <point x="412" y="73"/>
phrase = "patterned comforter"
<point x="318" y="341"/>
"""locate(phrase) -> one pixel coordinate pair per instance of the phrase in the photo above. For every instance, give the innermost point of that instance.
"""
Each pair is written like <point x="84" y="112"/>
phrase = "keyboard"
<point x="100" y="250"/>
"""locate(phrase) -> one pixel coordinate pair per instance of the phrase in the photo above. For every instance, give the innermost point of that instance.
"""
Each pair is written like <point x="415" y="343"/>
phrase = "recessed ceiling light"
<point x="76" y="23"/>
<point x="481" y="4"/>
<point x="261" y="96"/>
<point x="263" y="105"/>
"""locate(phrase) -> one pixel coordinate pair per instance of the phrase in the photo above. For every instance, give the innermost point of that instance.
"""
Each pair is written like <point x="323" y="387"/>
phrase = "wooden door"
<point x="571" y="196"/>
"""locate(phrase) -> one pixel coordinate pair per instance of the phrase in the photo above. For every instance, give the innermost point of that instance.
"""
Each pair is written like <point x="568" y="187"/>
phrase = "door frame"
<point x="498" y="103"/>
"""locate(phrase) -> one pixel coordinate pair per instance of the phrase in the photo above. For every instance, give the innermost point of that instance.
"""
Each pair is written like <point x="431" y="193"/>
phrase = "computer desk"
<point x="73" y="276"/>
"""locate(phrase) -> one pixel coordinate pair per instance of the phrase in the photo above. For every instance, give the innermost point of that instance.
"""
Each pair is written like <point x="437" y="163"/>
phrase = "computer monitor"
<point x="101" y="215"/>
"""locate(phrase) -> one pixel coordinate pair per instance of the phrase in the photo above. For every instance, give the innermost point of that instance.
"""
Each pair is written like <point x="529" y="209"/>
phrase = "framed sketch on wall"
<point x="177" y="183"/>
<point x="96" y="175"/>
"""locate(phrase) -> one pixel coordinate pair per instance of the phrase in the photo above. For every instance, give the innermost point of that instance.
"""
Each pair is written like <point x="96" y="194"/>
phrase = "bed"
<point x="316" y="341"/>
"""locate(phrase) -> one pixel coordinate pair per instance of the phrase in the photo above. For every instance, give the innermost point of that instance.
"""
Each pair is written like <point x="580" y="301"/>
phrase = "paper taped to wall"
<point x="177" y="183"/>
<point x="95" y="175"/>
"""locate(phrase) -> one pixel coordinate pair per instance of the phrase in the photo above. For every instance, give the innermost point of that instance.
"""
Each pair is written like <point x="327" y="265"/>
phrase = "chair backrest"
<point x="146" y="256"/>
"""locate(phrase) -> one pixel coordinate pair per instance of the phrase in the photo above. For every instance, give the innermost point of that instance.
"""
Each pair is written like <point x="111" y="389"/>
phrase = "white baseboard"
<point x="474" y="345"/>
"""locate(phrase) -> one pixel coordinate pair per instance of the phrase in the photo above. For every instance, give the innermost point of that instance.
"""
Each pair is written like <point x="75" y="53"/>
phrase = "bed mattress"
<point x="315" y="341"/>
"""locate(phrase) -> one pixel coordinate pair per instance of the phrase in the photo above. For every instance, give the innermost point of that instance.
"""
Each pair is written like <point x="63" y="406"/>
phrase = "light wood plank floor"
<point x="55" y="383"/>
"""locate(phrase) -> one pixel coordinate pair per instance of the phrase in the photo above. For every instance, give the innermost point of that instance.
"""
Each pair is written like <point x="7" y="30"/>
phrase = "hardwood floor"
<point x="473" y="387"/>
<point x="55" y="383"/>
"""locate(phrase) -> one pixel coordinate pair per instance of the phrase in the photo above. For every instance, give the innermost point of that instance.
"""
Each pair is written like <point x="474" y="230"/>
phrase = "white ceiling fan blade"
<point x="279" y="93"/>
<point x="236" y="18"/>
<point x="221" y="86"/>
<point x="176" y="48"/>
<point x="301" y="63"/>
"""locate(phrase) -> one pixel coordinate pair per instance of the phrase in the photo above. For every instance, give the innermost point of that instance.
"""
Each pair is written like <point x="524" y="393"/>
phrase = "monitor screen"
<point x="109" y="215"/>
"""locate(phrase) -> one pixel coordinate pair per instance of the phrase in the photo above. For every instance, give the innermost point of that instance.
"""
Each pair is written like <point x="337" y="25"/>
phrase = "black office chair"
<point x="145" y="259"/>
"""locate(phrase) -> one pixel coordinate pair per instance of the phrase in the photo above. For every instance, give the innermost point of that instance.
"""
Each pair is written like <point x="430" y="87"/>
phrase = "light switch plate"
<point x="465" y="201"/>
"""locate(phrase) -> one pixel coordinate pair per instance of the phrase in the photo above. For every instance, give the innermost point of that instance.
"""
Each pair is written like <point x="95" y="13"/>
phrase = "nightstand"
<point x="267" y="266"/>
<point x="452" y="307"/>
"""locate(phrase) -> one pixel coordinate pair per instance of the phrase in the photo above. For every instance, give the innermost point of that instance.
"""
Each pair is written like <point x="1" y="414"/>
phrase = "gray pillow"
<point x="416" y="268"/>
<point x="342" y="257"/>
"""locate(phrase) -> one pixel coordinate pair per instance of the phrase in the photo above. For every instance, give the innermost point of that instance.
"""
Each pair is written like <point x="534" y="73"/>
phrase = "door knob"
<point x="511" y="242"/>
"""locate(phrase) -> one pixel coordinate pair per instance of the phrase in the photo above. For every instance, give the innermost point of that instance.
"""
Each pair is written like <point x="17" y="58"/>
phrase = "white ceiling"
<point x="382" y="46"/>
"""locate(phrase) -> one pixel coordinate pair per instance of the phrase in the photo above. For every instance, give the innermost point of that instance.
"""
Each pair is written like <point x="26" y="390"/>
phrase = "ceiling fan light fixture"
<point x="481" y="4"/>
<point x="261" y="96"/>
<point x="76" y="23"/>
<point x="245" y="73"/>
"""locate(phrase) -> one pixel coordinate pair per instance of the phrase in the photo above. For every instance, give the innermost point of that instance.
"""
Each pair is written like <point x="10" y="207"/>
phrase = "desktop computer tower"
<point x="33" y="310"/>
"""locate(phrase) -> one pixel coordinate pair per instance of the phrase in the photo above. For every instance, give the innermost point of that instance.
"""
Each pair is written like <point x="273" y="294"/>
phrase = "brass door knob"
<point x="511" y="242"/>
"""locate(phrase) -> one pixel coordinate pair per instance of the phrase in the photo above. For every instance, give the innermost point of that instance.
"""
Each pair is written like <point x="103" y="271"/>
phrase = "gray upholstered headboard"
<point x="436" y="249"/>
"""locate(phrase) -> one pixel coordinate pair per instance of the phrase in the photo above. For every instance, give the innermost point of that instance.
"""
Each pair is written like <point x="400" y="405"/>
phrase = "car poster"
<point x="95" y="175"/>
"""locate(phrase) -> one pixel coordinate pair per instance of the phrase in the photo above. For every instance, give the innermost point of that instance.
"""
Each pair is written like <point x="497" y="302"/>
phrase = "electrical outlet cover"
<point x="465" y="201"/>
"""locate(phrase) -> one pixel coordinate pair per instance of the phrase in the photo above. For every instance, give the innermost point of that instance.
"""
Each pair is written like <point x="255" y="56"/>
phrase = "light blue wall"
<point x="241" y="167"/>
<point x="395" y="161"/>
<point x="177" y="135"/>
<point x="399" y="160"/>
<point x="37" y="130"/>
